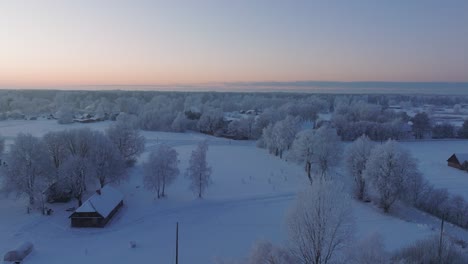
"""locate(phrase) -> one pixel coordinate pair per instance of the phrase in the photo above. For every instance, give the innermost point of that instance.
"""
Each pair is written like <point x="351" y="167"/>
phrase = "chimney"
<point x="98" y="191"/>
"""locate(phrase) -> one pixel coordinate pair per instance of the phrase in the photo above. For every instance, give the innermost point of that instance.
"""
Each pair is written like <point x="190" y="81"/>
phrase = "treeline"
<point x="64" y="164"/>
<point x="387" y="173"/>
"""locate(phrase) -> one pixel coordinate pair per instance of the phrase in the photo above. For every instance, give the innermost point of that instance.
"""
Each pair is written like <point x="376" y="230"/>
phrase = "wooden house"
<point x="458" y="160"/>
<point x="99" y="209"/>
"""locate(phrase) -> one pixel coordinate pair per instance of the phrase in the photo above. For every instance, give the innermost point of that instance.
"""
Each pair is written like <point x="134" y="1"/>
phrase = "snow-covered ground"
<point x="248" y="201"/>
<point x="432" y="157"/>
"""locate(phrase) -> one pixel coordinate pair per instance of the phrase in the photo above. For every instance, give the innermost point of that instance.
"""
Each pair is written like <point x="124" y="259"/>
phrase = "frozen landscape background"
<point x="252" y="191"/>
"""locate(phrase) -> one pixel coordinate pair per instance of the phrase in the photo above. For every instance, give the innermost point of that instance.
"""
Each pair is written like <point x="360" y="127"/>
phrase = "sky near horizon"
<point x="145" y="42"/>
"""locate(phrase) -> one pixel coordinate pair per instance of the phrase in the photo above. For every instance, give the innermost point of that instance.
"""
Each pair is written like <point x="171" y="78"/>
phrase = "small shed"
<point x="458" y="160"/>
<point x="98" y="209"/>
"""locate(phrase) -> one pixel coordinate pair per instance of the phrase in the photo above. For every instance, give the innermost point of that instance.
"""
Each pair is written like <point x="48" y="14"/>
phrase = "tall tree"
<point x="28" y="168"/>
<point x="128" y="140"/>
<point x="77" y="172"/>
<point x="392" y="171"/>
<point x="327" y="148"/>
<point x="302" y="150"/>
<point x="463" y="132"/>
<point x="161" y="169"/>
<point x="421" y="125"/>
<point x="106" y="160"/>
<point x="56" y="148"/>
<point x="357" y="155"/>
<point x="320" y="223"/>
<point x="198" y="171"/>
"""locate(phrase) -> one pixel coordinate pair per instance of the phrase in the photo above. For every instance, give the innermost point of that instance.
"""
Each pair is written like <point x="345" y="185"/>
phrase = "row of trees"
<point x="385" y="171"/>
<point x="389" y="173"/>
<point x="161" y="169"/>
<point x="68" y="162"/>
<point x="321" y="227"/>
<point x="354" y="118"/>
<point x="369" y="250"/>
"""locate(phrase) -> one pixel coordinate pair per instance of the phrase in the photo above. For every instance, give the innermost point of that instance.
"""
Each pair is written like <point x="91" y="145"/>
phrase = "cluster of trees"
<point x="369" y="250"/>
<point x="388" y="173"/>
<point x="385" y="172"/>
<point x="318" y="150"/>
<point x="278" y="137"/>
<point x="168" y="111"/>
<point x="320" y="226"/>
<point x="354" y="118"/>
<point x="69" y="162"/>
<point x="438" y="202"/>
<point x="320" y="223"/>
<point x="423" y="127"/>
<point x="205" y="112"/>
<point x="447" y="130"/>
<point x="161" y="169"/>
<point x="321" y="229"/>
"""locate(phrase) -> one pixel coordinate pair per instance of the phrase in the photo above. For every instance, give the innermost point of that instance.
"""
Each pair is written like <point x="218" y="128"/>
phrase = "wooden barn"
<point x="98" y="209"/>
<point x="458" y="160"/>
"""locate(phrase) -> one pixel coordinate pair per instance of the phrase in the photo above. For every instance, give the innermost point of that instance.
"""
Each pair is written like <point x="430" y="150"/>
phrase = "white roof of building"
<point x="103" y="203"/>
<point x="462" y="157"/>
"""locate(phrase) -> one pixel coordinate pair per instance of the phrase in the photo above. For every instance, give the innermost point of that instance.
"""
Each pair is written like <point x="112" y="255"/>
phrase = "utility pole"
<point x="177" y="244"/>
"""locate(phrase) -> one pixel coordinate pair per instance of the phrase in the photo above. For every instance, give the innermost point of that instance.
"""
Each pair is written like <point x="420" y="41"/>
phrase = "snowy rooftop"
<point x="462" y="157"/>
<point x="102" y="203"/>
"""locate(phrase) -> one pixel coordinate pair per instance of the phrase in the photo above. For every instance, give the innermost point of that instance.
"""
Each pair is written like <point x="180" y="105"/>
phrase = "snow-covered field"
<point x="248" y="201"/>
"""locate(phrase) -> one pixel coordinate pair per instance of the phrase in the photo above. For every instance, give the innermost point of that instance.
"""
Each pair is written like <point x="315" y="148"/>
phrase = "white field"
<point x="248" y="201"/>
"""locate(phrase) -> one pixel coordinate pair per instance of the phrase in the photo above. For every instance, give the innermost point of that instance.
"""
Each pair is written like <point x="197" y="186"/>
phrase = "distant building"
<point x="458" y="160"/>
<point x="98" y="209"/>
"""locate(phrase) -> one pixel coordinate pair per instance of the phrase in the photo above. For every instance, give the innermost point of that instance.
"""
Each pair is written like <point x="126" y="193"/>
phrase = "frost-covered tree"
<point x="317" y="149"/>
<point x="444" y="130"/>
<point x="431" y="250"/>
<point x="463" y="132"/>
<point x="357" y="154"/>
<point x="180" y="123"/>
<point x="56" y="148"/>
<point x="320" y="223"/>
<point x="391" y="171"/>
<point x="27" y="168"/>
<point x="267" y="117"/>
<point x="264" y="252"/>
<point x="65" y="115"/>
<point x="198" y="172"/>
<point x="302" y="150"/>
<point x="284" y="132"/>
<point x="327" y="147"/>
<point x="242" y="128"/>
<point x="129" y="105"/>
<point x="211" y="121"/>
<point x="128" y="119"/>
<point x="106" y="160"/>
<point x="161" y="169"/>
<point x="79" y="142"/>
<point x="421" y="124"/>
<point x="280" y="136"/>
<point x="159" y="113"/>
<point x="127" y="140"/>
<point x="370" y="250"/>
<point x="77" y="172"/>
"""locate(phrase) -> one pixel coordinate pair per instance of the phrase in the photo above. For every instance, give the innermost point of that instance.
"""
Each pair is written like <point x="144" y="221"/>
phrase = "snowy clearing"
<point x="248" y="201"/>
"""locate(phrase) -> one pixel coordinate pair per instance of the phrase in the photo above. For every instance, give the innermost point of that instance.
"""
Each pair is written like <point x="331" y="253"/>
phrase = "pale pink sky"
<point x="54" y="43"/>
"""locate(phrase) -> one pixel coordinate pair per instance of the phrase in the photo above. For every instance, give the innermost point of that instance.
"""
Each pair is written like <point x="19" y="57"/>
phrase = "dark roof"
<point x="461" y="157"/>
<point x="103" y="203"/>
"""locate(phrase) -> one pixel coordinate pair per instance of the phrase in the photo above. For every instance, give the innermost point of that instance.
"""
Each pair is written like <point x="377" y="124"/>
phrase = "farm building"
<point x="458" y="160"/>
<point x="98" y="209"/>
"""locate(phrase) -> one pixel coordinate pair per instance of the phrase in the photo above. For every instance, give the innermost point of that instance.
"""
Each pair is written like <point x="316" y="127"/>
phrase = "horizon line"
<point x="332" y="87"/>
